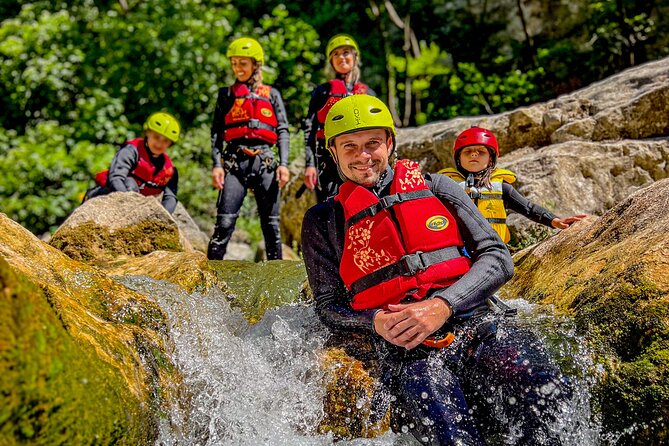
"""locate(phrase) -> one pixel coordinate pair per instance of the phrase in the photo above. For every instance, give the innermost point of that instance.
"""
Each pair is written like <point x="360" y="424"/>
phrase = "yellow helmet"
<point x="357" y="112"/>
<point x="246" y="47"/>
<point x="340" y="40"/>
<point x="164" y="124"/>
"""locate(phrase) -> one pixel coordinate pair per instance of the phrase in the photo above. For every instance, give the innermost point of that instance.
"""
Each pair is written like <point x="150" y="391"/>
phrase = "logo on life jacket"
<point x="266" y="112"/>
<point x="436" y="223"/>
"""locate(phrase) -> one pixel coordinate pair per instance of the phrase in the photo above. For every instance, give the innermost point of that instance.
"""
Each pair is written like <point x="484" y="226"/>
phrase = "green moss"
<point x="55" y="390"/>
<point x="91" y="242"/>
<point x="622" y="312"/>
<point x="626" y="315"/>
<point x="249" y="283"/>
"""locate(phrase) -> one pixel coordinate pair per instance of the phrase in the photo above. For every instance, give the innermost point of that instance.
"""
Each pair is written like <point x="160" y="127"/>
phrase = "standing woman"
<point x="249" y="120"/>
<point x="344" y="59"/>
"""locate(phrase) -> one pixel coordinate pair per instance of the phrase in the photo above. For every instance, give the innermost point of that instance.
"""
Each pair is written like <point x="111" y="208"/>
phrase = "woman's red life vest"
<point x="148" y="180"/>
<point x="404" y="244"/>
<point x="338" y="91"/>
<point x="252" y="116"/>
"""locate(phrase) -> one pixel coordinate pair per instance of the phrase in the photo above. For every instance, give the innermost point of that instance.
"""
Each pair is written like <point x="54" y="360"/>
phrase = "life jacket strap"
<point x="408" y="265"/>
<point x="497" y="221"/>
<point x="476" y="194"/>
<point x="386" y="202"/>
<point x="252" y="124"/>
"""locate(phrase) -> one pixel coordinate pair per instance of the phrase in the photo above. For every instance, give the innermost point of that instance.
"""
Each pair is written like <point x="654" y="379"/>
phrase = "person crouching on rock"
<point x="385" y="258"/>
<point x="142" y="164"/>
<point x="475" y="153"/>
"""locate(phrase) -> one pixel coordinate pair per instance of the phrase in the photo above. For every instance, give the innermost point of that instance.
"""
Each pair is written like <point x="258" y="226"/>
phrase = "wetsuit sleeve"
<point x="124" y="162"/>
<point x="318" y="99"/>
<point x="516" y="202"/>
<point x="370" y="92"/>
<point x="321" y="259"/>
<point x="224" y="103"/>
<point x="282" y="126"/>
<point x="170" y="200"/>
<point x="492" y="264"/>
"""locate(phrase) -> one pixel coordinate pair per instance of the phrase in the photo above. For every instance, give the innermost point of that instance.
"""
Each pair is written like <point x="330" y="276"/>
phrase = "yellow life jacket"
<point x="489" y="201"/>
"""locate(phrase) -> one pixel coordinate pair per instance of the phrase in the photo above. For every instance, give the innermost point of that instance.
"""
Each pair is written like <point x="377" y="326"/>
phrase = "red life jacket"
<point x="338" y="91"/>
<point x="407" y="252"/>
<point x="252" y="116"/>
<point x="149" y="181"/>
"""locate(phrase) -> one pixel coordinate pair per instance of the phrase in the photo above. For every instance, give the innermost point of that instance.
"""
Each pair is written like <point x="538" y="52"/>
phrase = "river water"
<point x="262" y="384"/>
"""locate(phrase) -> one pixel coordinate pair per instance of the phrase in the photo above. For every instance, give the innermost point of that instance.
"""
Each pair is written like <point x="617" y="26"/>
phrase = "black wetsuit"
<point x="119" y="178"/>
<point x="244" y="172"/>
<point x="516" y="202"/>
<point x="447" y="395"/>
<point x="316" y="154"/>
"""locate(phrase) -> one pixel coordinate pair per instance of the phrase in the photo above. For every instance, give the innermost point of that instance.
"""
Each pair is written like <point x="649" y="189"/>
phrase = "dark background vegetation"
<point x="78" y="78"/>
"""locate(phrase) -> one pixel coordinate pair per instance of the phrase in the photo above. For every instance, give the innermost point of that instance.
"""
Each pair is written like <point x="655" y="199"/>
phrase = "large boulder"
<point x="118" y="224"/>
<point x="583" y="177"/>
<point x="611" y="274"/>
<point x="83" y="359"/>
<point x="581" y="152"/>
<point x="633" y="104"/>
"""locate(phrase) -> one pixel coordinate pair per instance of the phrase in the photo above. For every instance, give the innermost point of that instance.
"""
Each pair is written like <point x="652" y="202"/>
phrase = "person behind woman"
<point x="344" y="59"/>
<point x="475" y="153"/>
<point x="142" y="164"/>
<point x="249" y="120"/>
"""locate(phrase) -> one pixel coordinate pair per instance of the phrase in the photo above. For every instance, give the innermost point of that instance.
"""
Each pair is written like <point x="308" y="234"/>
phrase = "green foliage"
<point x="48" y="171"/>
<point x="78" y="78"/>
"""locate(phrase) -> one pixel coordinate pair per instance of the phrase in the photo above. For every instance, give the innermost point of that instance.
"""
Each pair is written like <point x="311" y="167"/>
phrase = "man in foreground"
<point x="385" y="258"/>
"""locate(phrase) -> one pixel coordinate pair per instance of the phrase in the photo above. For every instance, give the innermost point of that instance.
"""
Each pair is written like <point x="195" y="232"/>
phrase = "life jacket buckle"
<point x="390" y="200"/>
<point x="410" y="264"/>
<point x="254" y="124"/>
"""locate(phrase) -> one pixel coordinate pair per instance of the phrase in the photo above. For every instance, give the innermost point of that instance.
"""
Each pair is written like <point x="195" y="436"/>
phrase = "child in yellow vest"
<point x="475" y="153"/>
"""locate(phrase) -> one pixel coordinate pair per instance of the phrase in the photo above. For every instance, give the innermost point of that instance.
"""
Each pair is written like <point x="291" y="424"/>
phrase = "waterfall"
<point x="262" y="384"/>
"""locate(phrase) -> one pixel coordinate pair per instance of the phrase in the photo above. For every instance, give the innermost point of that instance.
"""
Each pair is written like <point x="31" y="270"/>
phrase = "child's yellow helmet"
<point x="164" y="124"/>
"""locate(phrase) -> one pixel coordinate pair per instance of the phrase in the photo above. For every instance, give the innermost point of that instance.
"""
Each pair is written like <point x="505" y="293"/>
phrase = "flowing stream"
<point x="262" y="384"/>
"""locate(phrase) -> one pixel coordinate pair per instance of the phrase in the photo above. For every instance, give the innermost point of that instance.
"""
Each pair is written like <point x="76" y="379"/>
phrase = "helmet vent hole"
<point x="375" y="110"/>
<point x="338" y="118"/>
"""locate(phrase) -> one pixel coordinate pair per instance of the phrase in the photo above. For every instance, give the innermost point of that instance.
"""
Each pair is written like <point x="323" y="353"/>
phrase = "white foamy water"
<point x="262" y="384"/>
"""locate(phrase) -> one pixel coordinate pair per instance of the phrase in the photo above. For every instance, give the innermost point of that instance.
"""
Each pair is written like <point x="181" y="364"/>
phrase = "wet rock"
<point x="348" y="407"/>
<point x="189" y="270"/>
<point x="84" y="359"/>
<point x="249" y="284"/>
<point x="610" y="274"/>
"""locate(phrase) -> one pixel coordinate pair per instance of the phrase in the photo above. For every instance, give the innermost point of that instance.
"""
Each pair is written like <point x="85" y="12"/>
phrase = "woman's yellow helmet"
<point x="246" y="47"/>
<point x="340" y="40"/>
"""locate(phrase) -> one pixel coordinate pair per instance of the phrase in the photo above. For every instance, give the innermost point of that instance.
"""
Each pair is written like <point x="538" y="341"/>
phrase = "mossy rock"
<point x="189" y="270"/>
<point x="348" y="403"/>
<point x="56" y="390"/>
<point x="248" y="283"/>
<point x="610" y="274"/>
<point x="94" y="354"/>
<point x="121" y="224"/>
<point x="92" y="243"/>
